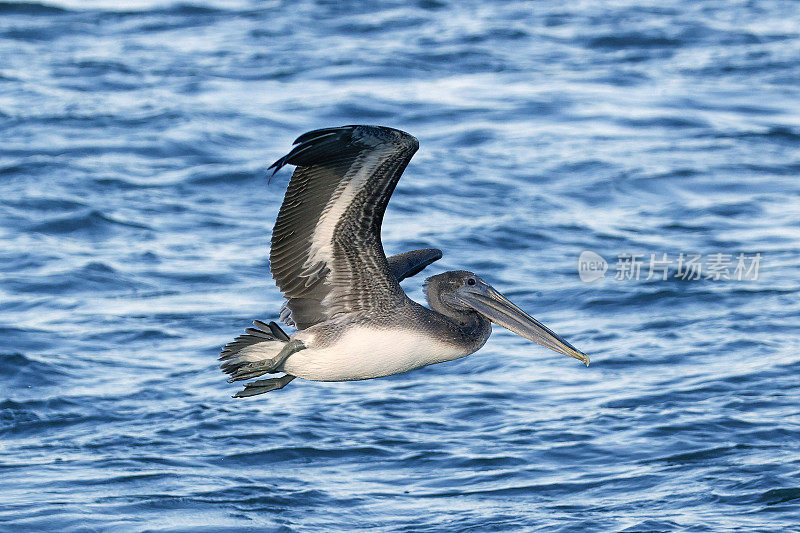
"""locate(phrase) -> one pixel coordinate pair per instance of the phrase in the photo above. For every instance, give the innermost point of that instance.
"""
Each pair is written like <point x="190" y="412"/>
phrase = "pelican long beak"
<point x="484" y="299"/>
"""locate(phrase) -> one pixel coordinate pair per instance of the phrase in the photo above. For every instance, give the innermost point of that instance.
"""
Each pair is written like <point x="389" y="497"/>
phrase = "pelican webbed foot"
<point x="263" y="385"/>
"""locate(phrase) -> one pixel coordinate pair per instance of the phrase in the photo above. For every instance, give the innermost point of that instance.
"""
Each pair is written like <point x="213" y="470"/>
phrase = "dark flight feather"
<point x="326" y="255"/>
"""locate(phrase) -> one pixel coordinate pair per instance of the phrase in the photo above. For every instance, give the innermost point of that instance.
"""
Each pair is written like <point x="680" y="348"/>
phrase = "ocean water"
<point x="134" y="225"/>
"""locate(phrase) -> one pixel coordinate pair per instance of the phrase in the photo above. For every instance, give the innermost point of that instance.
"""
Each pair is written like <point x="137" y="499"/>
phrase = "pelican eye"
<point x="471" y="281"/>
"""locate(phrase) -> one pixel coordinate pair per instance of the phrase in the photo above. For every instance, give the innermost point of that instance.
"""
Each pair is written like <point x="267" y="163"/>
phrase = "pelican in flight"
<point x="343" y="294"/>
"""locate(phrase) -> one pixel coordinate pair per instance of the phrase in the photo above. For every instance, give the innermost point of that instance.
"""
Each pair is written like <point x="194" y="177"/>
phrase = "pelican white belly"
<point x="365" y="353"/>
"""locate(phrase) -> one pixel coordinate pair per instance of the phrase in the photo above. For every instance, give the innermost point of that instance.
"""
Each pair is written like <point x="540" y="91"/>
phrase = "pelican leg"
<point x="266" y="366"/>
<point x="263" y="385"/>
<point x="290" y="348"/>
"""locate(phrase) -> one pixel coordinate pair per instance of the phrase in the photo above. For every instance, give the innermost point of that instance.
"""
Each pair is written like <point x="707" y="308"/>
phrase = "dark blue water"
<point x="135" y="220"/>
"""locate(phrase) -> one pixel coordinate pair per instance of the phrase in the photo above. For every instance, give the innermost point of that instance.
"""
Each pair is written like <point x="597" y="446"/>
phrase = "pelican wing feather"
<point x="326" y="255"/>
<point x="411" y="263"/>
<point x="401" y="266"/>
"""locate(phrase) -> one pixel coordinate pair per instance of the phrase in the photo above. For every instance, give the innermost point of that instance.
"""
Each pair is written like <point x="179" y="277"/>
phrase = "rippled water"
<point x="135" y="218"/>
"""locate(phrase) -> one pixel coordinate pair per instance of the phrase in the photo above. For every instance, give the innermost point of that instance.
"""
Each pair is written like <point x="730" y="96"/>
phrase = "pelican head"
<point x="458" y="293"/>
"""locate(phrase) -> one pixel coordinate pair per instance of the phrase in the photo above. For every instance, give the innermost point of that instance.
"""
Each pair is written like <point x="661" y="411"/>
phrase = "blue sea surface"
<point x="135" y="218"/>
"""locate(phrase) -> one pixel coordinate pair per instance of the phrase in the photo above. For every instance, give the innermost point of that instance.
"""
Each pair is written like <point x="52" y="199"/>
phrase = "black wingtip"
<point x="315" y="134"/>
<point x="309" y="147"/>
<point x="277" y="165"/>
<point x="302" y="143"/>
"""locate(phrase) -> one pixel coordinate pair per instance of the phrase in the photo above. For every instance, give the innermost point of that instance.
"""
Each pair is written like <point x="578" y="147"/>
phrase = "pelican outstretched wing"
<point x="326" y="256"/>
<point x="401" y="266"/>
<point x="411" y="263"/>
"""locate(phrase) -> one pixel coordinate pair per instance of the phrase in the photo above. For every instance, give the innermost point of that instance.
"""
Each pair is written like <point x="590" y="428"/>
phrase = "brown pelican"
<point x="343" y="294"/>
